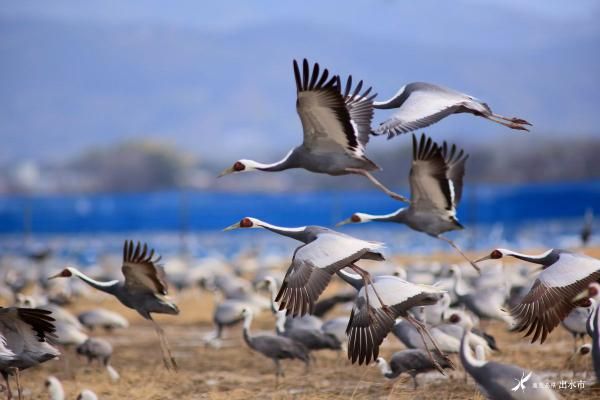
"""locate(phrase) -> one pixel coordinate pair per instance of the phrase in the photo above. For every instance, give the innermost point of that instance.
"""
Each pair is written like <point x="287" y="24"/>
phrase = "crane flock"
<point x="420" y="310"/>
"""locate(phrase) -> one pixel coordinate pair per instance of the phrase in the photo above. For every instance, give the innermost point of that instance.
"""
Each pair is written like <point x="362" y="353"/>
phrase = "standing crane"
<point x="436" y="184"/>
<point x="552" y="297"/>
<point x="314" y="263"/>
<point x="144" y="289"/>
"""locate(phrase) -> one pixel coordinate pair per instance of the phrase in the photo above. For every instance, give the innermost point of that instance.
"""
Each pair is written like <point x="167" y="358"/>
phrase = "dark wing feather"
<point x="455" y="160"/>
<point x="141" y="269"/>
<point x="327" y="117"/>
<point x="429" y="184"/>
<point x="366" y="330"/>
<point x="360" y="107"/>
<point x="542" y="309"/>
<point x="40" y="321"/>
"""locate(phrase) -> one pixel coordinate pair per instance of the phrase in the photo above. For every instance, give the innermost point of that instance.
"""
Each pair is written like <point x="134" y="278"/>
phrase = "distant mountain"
<point x="68" y="86"/>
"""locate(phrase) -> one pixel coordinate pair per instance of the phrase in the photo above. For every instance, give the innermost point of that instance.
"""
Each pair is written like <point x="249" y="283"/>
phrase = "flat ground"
<point x="235" y="372"/>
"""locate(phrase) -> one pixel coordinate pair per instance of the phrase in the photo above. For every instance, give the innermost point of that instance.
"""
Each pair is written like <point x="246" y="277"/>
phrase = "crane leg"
<point x="8" y="391"/>
<point x="422" y="328"/>
<point x="451" y="243"/>
<point x="512" y="124"/>
<point x="367" y="278"/>
<point x="380" y="185"/>
<point x="513" y="119"/>
<point x="168" y="359"/>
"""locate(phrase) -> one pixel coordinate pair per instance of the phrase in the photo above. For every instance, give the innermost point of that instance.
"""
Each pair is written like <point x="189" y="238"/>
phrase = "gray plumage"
<point x="101" y="317"/>
<point x="336" y="122"/>
<point x="311" y="338"/>
<point x="502" y="381"/>
<point x="421" y="104"/>
<point x="436" y="185"/>
<point x="144" y="288"/>
<point x="273" y="346"/>
<point x="96" y="349"/>
<point x="411" y="361"/>
<point x="314" y="263"/>
<point x="24" y="336"/>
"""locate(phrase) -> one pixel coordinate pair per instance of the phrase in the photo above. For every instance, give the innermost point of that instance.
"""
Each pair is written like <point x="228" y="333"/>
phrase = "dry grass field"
<point x="234" y="372"/>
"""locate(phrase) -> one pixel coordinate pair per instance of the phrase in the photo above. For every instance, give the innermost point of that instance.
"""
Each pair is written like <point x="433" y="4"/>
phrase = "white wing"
<point x="419" y="105"/>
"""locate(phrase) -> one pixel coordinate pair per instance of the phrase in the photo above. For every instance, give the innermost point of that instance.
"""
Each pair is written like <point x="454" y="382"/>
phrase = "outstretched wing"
<point x="327" y="116"/>
<point x="312" y="267"/>
<point x="141" y="269"/>
<point x="367" y="328"/>
<point x="419" y="105"/>
<point x="429" y="185"/>
<point x="550" y="299"/>
<point x="455" y="160"/>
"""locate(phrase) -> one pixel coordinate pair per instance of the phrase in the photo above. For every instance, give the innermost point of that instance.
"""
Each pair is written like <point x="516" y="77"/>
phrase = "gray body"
<point x="432" y="222"/>
<point x="413" y="362"/>
<point x="96" y="349"/>
<point x="228" y="313"/>
<point x="277" y="348"/>
<point x="331" y="163"/>
<point x="144" y="302"/>
<point x="497" y="380"/>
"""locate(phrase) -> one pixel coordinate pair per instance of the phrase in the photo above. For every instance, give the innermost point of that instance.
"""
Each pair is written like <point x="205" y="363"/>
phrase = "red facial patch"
<point x="496" y="254"/>
<point x="592" y="291"/>
<point x="66" y="273"/>
<point x="454" y="318"/>
<point x="238" y="166"/>
<point x="246" y="223"/>
<point x="355" y="218"/>
<point x="584" y="350"/>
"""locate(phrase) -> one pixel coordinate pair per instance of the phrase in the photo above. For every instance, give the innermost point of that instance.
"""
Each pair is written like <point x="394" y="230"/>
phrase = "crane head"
<point x="238" y="166"/>
<point x="494" y="255"/>
<point x="65" y="273"/>
<point x="245" y="222"/>
<point x="356" y="218"/>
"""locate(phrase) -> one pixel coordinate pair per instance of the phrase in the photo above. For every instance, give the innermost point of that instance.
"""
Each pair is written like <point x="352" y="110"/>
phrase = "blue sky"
<point x="215" y="78"/>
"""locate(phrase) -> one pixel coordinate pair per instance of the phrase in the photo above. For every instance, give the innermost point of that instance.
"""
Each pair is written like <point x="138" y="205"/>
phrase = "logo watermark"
<point x="563" y="384"/>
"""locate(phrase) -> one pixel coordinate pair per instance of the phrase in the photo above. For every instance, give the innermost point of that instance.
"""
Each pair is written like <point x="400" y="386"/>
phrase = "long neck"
<point x="546" y="258"/>
<point x="470" y="363"/>
<point x="108" y="287"/>
<point x="397" y="216"/>
<point x="286" y="162"/>
<point x="353" y="279"/>
<point x="294" y="233"/>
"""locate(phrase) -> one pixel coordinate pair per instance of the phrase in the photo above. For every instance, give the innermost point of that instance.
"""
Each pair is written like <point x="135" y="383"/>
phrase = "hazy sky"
<point x="215" y="77"/>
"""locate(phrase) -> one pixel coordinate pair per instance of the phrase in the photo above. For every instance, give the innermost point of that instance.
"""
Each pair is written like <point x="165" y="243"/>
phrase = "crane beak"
<point x="344" y="222"/>
<point x="231" y="227"/>
<point x="226" y="171"/>
<point x="55" y="276"/>
<point x="488" y="257"/>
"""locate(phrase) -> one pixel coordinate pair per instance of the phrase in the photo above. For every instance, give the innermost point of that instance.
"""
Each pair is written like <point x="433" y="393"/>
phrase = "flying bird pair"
<point x="336" y="122"/>
<point x="380" y="300"/>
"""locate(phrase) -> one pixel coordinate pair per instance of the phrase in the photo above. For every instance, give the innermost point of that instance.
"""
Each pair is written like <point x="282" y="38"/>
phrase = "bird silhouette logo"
<point x="521" y="382"/>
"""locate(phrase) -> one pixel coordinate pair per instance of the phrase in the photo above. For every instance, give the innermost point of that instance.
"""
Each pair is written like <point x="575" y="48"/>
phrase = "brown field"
<point x="235" y="372"/>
